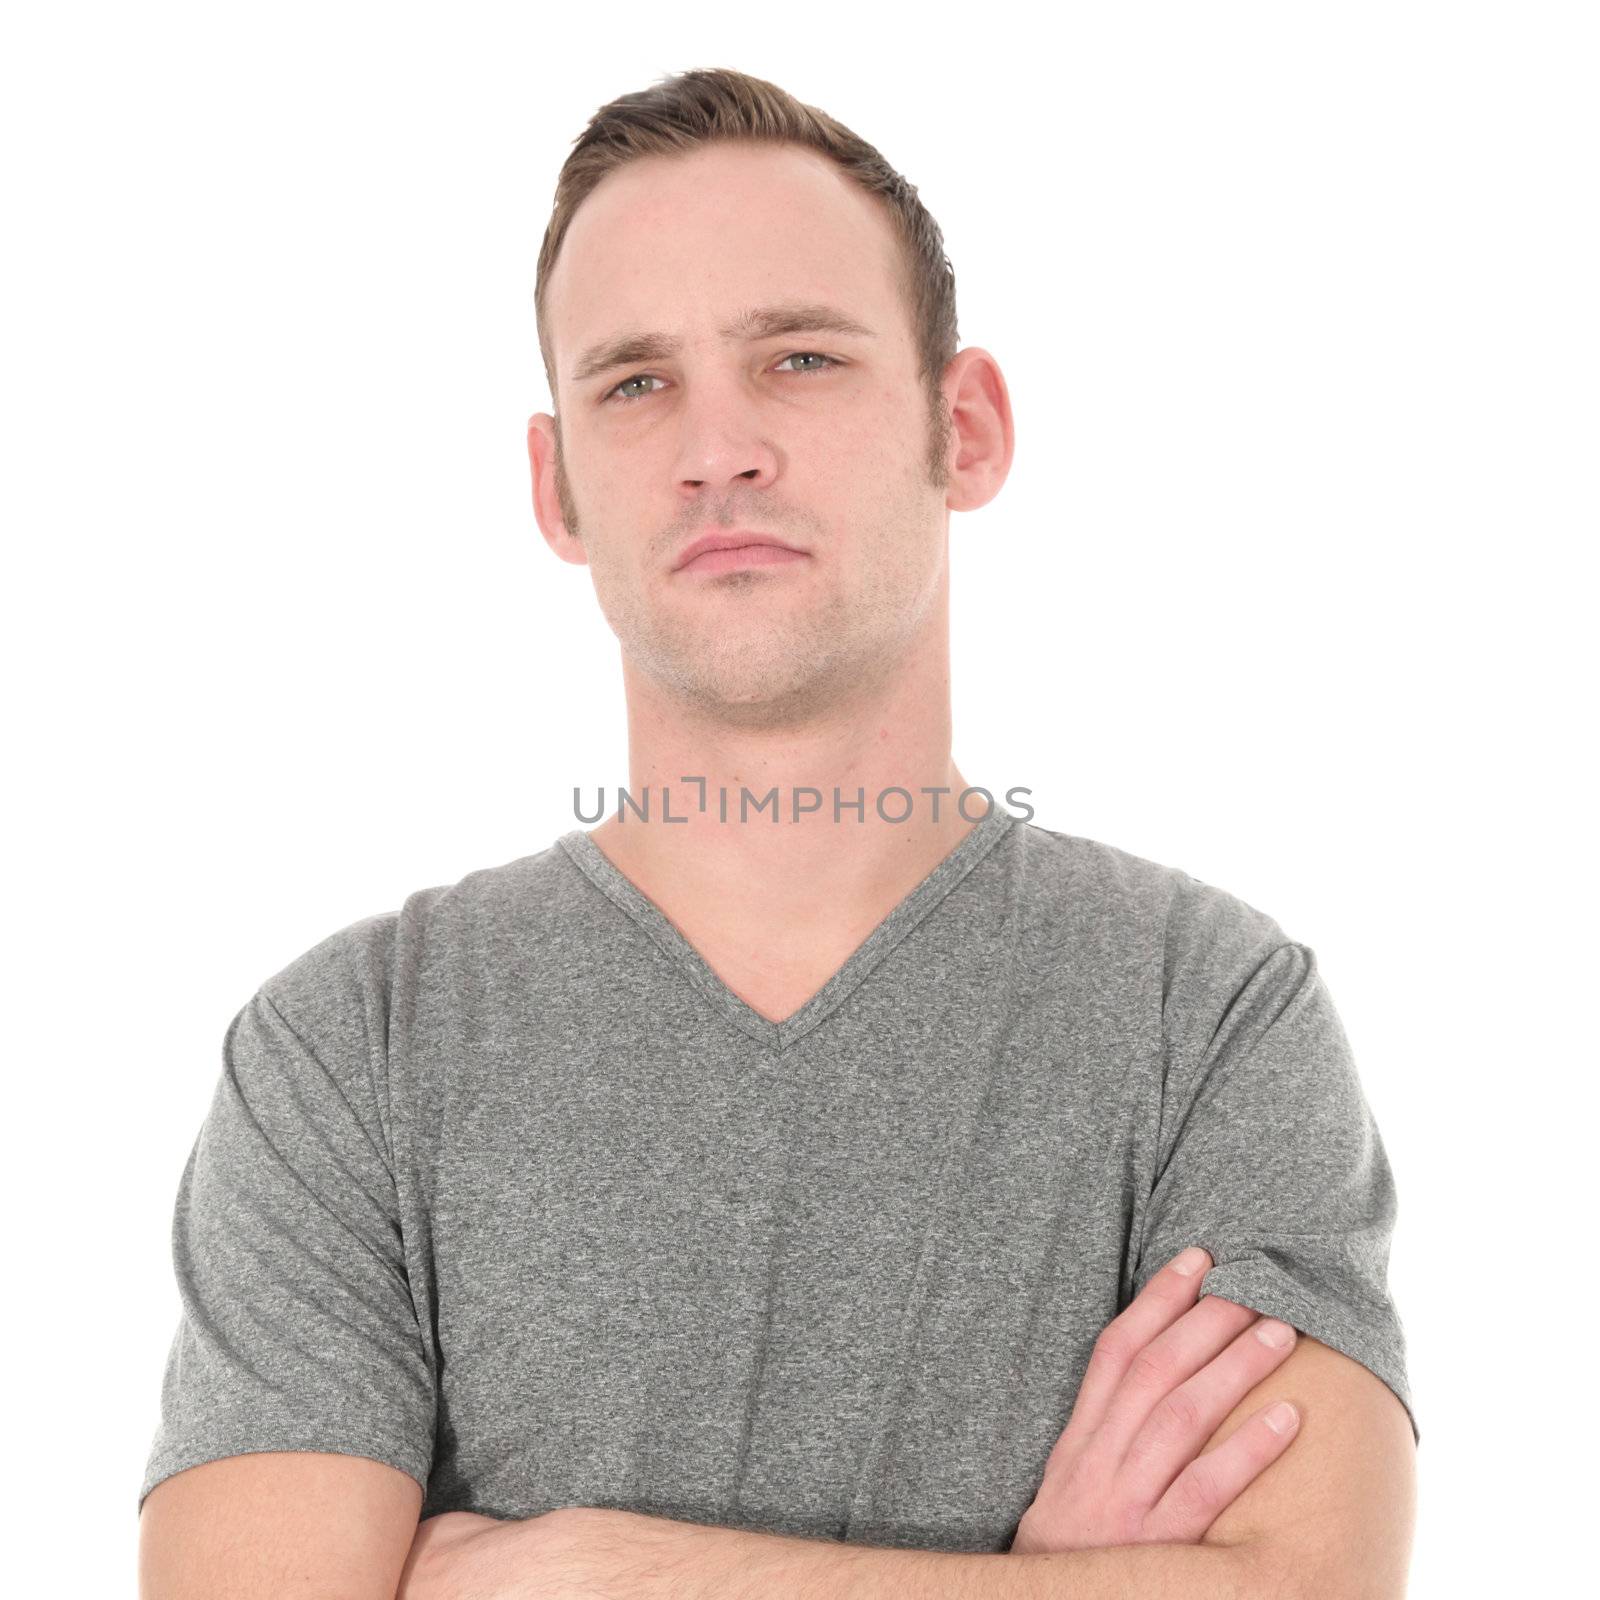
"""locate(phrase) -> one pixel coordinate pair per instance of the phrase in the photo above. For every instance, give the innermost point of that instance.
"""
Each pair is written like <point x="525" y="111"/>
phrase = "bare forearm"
<point x="667" y="1560"/>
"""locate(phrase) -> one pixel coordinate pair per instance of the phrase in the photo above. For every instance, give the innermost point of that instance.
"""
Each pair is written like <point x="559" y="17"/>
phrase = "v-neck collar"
<point x="969" y="850"/>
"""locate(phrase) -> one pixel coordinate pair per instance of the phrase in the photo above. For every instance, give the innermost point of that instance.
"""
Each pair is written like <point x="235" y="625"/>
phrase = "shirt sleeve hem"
<point x="249" y="1441"/>
<point x="1258" y="1286"/>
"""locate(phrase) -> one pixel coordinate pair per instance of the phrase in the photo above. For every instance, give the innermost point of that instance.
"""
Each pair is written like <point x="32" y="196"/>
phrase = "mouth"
<point x="729" y="557"/>
<point x="720" y="550"/>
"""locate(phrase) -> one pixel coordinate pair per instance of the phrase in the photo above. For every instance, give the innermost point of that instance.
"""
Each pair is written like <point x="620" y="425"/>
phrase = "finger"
<point x="1162" y="1301"/>
<point x="1178" y="1426"/>
<point x="1212" y="1482"/>
<point x="1184" y="1381"/>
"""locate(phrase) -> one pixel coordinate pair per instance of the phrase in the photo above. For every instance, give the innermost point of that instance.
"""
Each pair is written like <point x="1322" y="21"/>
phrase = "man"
<point x="761" y="1170"/>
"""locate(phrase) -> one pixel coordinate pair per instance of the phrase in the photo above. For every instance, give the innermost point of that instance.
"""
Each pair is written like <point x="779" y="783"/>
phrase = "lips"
<point x="731" y="539"/>
<point x="743" y="557"/>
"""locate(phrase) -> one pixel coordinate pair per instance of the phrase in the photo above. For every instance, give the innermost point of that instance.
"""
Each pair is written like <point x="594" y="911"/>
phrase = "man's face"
<point x="841" y="457"/>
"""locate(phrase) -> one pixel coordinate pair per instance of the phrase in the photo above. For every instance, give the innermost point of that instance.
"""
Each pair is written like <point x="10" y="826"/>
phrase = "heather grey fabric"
<point x="506" y="1189"/>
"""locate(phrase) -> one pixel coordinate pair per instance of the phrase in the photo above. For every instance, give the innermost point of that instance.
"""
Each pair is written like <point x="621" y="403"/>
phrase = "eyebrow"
<point x="764" y="322"/>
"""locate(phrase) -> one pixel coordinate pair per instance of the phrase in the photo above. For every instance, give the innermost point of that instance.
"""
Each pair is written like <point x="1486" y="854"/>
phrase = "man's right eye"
<point x="628" y="399"/>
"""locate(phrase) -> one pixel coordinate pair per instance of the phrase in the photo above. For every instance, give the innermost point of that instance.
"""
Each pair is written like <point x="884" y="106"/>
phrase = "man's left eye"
<point x="810" y="355"/>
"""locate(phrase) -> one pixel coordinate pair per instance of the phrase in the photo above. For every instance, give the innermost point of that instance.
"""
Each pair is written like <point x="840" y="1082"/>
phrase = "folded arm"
<point x="623" y="1555"/>
<point x="1331" y="1519"/>
<point x="657" y="1557"/>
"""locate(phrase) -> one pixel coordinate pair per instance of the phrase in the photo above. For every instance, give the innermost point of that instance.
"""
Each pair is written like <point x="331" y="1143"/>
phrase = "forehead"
<point x="676" y="243"/>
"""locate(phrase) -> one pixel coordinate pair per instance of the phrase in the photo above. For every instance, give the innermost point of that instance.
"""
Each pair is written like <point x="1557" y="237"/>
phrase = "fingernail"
<point x="1277" y="1334"/>
<point x="1281" y="1418"/>
<point x="1190" y="1262"/>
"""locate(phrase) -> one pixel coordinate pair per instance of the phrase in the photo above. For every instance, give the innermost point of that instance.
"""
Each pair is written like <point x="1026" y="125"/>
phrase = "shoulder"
<point x="1119" y="920"/>
<point x="353" y="974"/>
<point x="1130" y="897"/>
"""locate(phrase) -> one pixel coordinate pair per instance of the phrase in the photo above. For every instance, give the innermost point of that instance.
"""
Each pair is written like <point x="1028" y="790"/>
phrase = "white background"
<point x="1297" y="309"/>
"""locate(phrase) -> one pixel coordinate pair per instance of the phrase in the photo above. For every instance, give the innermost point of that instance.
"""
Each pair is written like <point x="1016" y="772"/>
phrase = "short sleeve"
<point x="298" y="1329"/>
<point x="1269" y="1156"/>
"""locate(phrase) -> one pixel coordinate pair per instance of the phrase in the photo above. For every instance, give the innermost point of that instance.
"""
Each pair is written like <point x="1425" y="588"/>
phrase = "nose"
<point x="721" y="444"/>
<point x="715" y="469"/>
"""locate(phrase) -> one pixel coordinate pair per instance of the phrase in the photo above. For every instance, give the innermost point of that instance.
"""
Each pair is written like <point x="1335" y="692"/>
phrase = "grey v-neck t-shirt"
<point x="508" y="1190"/>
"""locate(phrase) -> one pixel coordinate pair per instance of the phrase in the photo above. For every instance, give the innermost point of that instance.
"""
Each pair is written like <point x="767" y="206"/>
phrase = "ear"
<point x="980" y="416"/>
<point x="546" y="496"/>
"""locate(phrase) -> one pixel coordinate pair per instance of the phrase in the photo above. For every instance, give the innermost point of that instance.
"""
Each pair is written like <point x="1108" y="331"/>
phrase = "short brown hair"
<point x="710" y="104"/>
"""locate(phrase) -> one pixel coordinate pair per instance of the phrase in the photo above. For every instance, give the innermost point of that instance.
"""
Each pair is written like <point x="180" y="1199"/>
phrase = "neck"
<point x="771" y="868"/>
